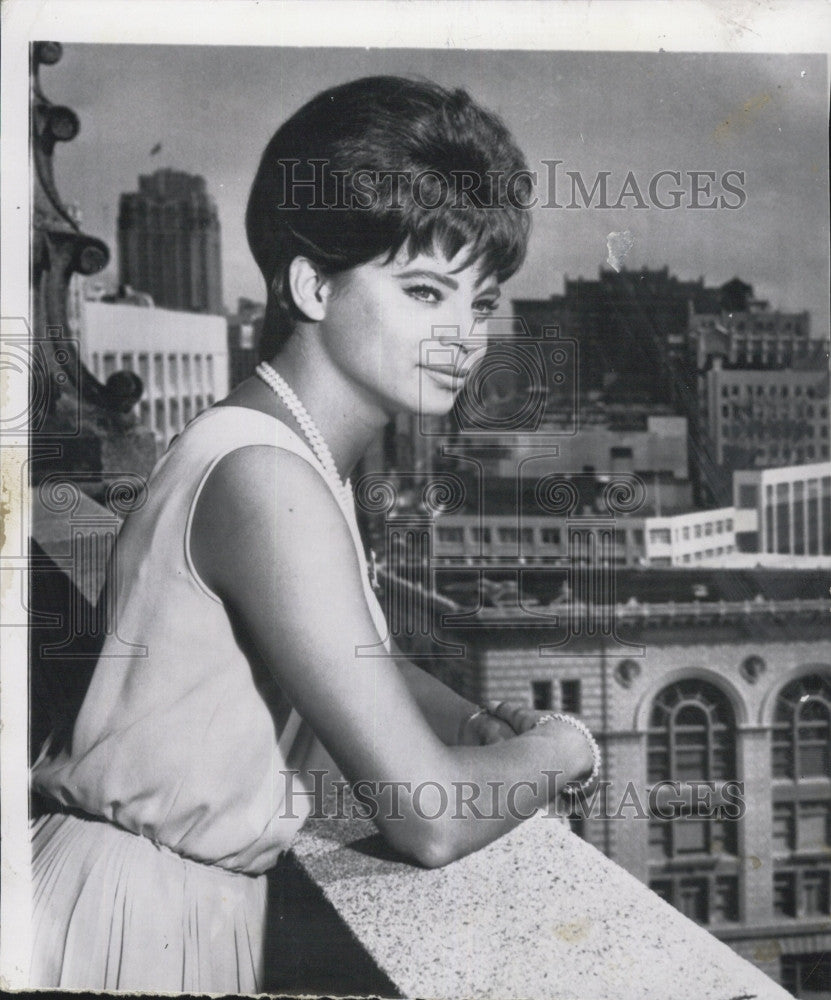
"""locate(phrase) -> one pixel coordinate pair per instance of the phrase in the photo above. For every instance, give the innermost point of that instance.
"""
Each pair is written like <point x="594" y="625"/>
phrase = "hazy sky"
<point x="214" y="108"/>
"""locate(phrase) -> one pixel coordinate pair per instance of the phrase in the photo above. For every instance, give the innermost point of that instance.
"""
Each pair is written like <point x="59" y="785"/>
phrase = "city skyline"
<point x="760" y="117"/>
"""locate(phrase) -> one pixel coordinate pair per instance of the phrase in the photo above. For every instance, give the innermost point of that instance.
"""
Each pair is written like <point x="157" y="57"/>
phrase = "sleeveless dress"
<point x="188" y="771"/>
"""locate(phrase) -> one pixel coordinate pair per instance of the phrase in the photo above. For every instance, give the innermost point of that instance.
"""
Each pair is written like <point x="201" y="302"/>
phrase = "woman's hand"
<point x="519" y="718"/>
<point x="481" y="729"/>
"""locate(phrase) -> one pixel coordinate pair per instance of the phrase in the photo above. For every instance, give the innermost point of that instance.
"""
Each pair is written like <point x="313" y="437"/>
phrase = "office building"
<point x="181" y="359"/>
<point x="784" y="511"/>
<point x="169" y="242"/>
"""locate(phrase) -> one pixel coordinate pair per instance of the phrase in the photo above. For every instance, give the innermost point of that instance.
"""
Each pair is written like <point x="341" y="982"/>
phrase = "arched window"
<point x="802" y="729"/>
<point x="691" y="734"/>
<point x="691" y="739"/>
<point x="801" y="765"/>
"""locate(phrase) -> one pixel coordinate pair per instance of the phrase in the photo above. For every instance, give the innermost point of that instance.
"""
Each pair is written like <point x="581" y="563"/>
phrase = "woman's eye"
<point x="485" y="308"/>
<point x="425" y="293"/>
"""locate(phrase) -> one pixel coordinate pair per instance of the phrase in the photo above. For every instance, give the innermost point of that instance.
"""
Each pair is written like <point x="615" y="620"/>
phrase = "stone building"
<point x="710" y="692"/>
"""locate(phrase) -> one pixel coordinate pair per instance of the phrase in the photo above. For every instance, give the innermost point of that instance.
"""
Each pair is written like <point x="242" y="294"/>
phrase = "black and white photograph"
<point x="416" y="499"/>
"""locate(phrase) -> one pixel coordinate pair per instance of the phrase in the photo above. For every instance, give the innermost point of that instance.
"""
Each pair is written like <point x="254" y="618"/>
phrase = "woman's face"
<point x="408" y="333"/>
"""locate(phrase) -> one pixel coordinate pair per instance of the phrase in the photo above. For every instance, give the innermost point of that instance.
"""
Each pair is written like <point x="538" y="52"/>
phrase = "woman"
<point x="242" y="584"/>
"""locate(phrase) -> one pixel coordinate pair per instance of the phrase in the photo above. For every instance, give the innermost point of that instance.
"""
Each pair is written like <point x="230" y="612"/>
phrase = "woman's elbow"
<point x="428" y="844"/>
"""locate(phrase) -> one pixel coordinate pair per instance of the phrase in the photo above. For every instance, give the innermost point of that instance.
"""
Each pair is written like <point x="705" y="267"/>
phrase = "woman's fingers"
<point x="492" y="730"/>
<point x="518" y="717"/>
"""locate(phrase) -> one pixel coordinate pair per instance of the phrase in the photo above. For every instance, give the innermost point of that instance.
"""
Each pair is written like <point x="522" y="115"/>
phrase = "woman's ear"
<point x="309" y="288"/>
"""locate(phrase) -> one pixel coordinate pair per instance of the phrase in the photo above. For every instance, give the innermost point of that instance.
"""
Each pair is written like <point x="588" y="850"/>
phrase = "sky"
<point x="213" y="108"/>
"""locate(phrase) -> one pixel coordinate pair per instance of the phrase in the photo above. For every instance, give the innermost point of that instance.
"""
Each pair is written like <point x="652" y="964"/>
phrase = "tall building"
<point x="630" y="327"/>
<point x="169" y="242"/>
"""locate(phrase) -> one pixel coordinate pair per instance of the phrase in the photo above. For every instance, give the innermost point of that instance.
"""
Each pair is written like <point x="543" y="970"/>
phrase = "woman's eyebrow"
<point x="444" y="279"/>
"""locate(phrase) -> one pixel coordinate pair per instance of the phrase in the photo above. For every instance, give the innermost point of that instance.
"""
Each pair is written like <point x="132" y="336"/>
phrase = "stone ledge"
<point x="539" y="913"/>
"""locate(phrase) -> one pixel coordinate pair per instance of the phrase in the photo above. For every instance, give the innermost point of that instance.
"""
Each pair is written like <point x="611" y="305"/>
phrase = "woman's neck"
<point x="347" y="422"/>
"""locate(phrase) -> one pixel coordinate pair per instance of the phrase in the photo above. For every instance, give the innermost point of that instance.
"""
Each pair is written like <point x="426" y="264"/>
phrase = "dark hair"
<point x="372" y="165"/>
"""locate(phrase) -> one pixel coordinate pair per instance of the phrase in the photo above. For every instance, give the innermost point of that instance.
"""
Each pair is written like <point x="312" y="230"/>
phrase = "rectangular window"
<point x="697" y="530"/>
<point x="692" y="898"/>
<point x="782" y="827"/>
<point x="127" y="362"/>
<point x="570" y="697"/>
<point x="815" y="892"/>
<point x="173" y="370"/>
<point x="685" y="533"/>
<point x="620" y="452"/>
<point x="725" y="898"/>
<point x="158" y="371"/>
<point x="784" y="894"/>
<point x="659" y="839"/>
<point x="159" y="416"/>
<point x="550" y="536"/>
<point x="109" y="365"/>
<point x="812" y="826"/>
<point x="806" y="974"/>
<point x="174" y="415"/>
<point x="690" y="835"/>
<point x="542" y="695"/>
<point x="660" y="535"/>
<point x="481" y="535"/>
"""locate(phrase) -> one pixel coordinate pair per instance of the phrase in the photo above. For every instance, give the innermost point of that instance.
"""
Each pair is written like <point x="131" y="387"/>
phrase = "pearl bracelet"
<point x="584" y="730"/>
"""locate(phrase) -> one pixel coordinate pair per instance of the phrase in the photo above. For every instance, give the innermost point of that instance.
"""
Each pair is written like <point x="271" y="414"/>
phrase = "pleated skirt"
<point x="114" y="911"/>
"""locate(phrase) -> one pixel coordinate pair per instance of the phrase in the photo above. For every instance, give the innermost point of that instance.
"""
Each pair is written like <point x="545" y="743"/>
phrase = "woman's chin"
<point x="435" y="404"/>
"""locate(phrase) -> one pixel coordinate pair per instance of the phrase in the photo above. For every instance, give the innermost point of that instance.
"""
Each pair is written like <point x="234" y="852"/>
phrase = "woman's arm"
<point x="269" y="537"/>
<point x="455" y="720"/>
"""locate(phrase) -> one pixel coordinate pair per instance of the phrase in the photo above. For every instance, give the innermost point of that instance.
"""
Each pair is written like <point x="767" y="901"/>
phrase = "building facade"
<point x="785" y="511"/>
<point x="169" y="242"/>
<point x="181" y="359"/>
<point x="766" y="417"/>
<point x="715" y="724"/>
<point x="755" y="337"/>
<point x="694" y="538"/>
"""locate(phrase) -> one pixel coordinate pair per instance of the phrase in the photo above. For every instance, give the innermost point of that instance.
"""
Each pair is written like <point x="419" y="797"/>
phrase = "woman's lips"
<point x="448" y="376"/>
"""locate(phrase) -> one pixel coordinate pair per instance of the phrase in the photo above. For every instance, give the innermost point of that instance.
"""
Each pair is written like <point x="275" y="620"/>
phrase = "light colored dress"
<point x="175" y="788"/>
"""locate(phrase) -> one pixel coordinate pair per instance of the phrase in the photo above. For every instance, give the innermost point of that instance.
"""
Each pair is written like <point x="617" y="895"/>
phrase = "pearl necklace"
<point x="281" y="388"/>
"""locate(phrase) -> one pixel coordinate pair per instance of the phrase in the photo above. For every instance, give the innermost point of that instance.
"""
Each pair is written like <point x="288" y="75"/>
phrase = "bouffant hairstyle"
<point x="380" y="164"/>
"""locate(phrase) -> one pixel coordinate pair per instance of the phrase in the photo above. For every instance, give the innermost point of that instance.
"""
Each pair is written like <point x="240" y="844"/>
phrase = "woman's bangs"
<point x="496" y="239"/>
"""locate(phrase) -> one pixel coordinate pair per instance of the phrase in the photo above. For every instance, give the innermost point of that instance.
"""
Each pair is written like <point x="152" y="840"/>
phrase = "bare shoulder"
<point x="261" y="510"/>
